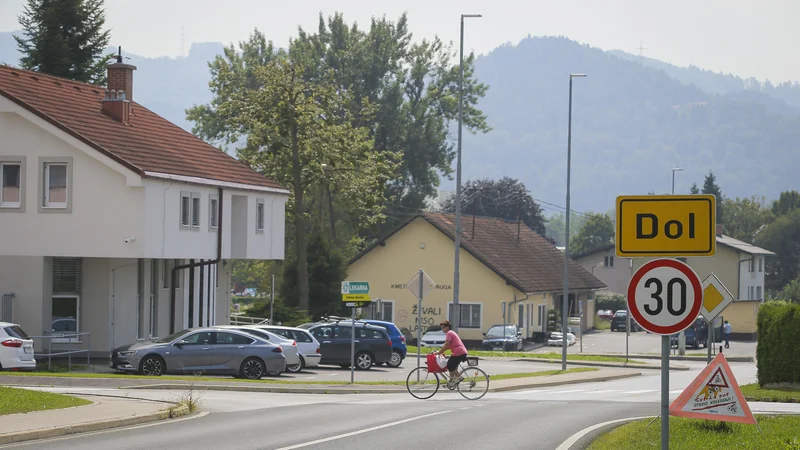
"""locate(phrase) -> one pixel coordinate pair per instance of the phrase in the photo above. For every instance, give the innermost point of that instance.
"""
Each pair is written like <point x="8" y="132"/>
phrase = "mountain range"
<point x="634" y="119"/>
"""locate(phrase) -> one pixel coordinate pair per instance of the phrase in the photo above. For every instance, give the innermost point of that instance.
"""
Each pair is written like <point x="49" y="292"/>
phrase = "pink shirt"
<point x="456" y="346"/>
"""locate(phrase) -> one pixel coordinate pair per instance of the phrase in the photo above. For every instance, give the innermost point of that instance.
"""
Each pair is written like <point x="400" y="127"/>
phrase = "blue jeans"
<point x="727" y="340"/>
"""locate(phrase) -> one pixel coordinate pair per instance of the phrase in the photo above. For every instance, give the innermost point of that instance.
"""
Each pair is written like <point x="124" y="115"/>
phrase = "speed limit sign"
<point x="665" y="296"/>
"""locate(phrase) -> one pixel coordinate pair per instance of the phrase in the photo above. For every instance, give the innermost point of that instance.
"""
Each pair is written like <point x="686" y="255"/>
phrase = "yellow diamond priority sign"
<point x="715" y="297"/>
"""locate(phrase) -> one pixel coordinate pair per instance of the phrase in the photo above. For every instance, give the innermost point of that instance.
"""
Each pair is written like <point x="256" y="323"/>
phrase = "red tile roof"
<point x="149" y="143"/>
<point x="530" y="263"/>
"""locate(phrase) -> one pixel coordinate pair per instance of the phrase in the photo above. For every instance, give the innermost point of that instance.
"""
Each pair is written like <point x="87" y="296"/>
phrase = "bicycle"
<point x="473" y="386"/>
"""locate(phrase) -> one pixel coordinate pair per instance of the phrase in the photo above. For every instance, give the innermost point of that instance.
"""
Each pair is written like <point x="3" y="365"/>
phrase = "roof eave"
<point x="218" y="183"/>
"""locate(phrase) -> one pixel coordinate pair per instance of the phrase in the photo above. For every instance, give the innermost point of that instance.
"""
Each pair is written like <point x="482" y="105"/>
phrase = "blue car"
<point x="398" y="341"/>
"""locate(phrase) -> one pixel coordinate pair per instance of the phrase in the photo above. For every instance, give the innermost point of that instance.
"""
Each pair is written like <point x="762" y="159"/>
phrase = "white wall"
<point x="749" y="279"/>
<point x="23" y="276"/>
<point x="104" y="209"/>
<point x="616" y="278"/>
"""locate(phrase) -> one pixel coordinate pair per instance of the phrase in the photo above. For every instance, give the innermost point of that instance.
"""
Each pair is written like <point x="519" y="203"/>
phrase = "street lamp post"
<point x="681" y="336"/>
<point x="674" y="169"/>
<point x="456" y="312"/>
<point x="565" y="302"/>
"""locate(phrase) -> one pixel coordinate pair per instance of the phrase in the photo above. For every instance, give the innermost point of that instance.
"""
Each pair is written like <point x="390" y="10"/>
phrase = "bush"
<point x="614" y="302"/>
<point x="777" y="353"/>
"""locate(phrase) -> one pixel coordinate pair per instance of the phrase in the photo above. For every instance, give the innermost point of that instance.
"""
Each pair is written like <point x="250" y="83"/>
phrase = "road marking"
<point x="678" y="391"/>
<point x="566" y="445"/>
<point x="355" y="433"/>
<point x="309" y="378"/>
<point x="332" y="374"/>
<point x="604" y="392"/>
<point x="568" y="391"/>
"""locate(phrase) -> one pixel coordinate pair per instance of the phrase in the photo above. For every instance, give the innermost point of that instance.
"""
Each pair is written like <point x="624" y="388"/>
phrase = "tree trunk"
<point x="300" y="224"/>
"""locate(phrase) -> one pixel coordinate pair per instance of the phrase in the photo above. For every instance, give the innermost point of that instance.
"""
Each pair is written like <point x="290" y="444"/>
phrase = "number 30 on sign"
<point x="665" y="296"/>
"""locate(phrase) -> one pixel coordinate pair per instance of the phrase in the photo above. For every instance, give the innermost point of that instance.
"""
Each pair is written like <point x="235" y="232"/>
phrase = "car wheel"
<point x="395" y="360"/>
<point x="363" y="361"/>
<point x="252" y="369"/>
<point x="152" y="366"/>
<point x="295" y="368"/>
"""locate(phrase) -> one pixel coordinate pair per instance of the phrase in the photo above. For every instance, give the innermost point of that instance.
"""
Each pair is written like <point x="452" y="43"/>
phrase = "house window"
<point x="609" y="261"/>
<point x="186" y="209"/>
<point x="195" y="210"/>
<point x="213" y="212"/>
<point x="470" y="315"/>
<point x="760" y="264"/>
<point x="259" y="215"/>
<point x="55" y="185"/>
<point x="758" y="292"/>
<point x="65" y="302"/>
<point x="383" y="311"/>
<point x="154" y="296"/>
<point x="10" y="184"/>
<point x="166" y="273"/>
<point x="140" y="299"/>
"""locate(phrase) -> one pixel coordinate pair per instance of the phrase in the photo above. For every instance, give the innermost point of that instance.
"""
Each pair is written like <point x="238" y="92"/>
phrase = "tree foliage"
<point x="506" y="198"/>
<point x="556" y="226"/>
<point x="745" y="217"/>
<point x="782" y="236"/>
<point x="597" y="231"/>
<point x="786" y="203"/>
<point x="65" y="38"/>
<point x="710" y="187"/>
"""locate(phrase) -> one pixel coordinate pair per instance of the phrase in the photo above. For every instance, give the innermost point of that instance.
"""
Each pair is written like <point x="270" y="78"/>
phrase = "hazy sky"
<point x="747" y="38"/>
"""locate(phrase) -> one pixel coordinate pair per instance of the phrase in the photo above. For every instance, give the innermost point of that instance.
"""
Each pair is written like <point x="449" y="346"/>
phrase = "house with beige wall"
<point x="500" y="261"/>
<point x="116" y="224"/>
<point x="613" y="271"/>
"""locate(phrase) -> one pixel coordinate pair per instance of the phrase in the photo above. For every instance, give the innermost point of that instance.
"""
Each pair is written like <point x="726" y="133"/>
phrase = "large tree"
<point x="506" y="198"/>
<point x="301" y="133"/>
<point x="782" y="237"/>
<point x="327" y="268"/>
<point x="597" y="231"/>
<point x="745" y="217"/>
<point x="65" y="38"/>
<point x="786" y="203"/>
<point x="710" y="187"/>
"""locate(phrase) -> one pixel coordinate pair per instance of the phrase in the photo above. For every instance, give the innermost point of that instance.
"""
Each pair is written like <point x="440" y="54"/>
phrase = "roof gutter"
<point x="195" y="265"/>
<point x="210" y="182"/>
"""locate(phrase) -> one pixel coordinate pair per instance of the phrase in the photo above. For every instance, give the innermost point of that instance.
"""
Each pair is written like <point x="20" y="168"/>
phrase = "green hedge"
<point x="778" y="352"/>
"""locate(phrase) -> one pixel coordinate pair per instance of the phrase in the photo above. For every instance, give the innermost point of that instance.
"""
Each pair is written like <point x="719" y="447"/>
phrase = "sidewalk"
<point x="103" y="413"/>
<point x="603" y="374"/>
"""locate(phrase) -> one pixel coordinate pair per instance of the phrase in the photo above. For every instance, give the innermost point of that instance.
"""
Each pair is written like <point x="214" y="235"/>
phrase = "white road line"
<point x="676" y="391"/>
<point x="566" y="445"/>
<point x="354" y="433"/>
<point x="604" y="392"/>
<point x="641" y="392"/>
<point x="309" y="378"/>
<point x="568" y="391"/>
<point x="332" y="374"/>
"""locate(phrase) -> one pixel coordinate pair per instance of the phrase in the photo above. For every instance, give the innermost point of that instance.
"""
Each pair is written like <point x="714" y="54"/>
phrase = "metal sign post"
<point x="419" y="317"/>
<point x="419" y="285"/>
<point x="504" y="325"/>
<point x="353" y="348"/>
<point x="355" y="295"/>
<point x="716" y="297"/>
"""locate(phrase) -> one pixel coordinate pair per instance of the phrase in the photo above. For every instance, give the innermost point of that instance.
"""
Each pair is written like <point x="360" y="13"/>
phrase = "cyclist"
<point x="458" y="353"/>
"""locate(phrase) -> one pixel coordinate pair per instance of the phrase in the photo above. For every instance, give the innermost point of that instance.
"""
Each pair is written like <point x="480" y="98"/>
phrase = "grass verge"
<point x="412" y="352"/>
<point x="754" y="393"/>
<point x="14" y="401"/>
<point x="600" y="324"/>
<point x="279" y="380"/>
<point x="777" y="432"/>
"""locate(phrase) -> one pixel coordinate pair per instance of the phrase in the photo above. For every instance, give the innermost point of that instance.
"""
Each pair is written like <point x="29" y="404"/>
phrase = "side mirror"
<point x="181" y="343"/>
<point x="484" y="334"/>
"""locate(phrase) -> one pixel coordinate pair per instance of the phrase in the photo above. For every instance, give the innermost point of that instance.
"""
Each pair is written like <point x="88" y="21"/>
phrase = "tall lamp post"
<point x="681" y="336"/>
<point x="565" y="309"/>
<point x="456" y="312"/>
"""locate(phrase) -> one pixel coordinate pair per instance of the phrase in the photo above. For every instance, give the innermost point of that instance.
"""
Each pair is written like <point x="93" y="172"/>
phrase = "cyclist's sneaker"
<point x="459" y="379"/>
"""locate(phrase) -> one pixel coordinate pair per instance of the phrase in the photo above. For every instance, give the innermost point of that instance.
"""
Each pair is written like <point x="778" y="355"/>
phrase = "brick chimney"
<point x="119" y="94"/>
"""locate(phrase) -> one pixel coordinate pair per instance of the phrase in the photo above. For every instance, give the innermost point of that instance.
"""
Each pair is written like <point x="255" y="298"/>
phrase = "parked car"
<point x="202" y="350"/>
<point x="290" y="350"/>
<point x="605" y="314"/>
<point x="399" y="348"/>
<point x="696" y="335"/>
<point x="433" y="337"/>
<point x="619" y="322"/>
<point x="499" y="337"/>
<point x="372" y="344"/>
<point x="307" y="344"/>
<point x="557" y="339"/>
<point x="16" y="348"/>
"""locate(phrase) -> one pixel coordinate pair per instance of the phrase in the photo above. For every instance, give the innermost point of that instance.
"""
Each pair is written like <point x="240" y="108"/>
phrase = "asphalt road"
<point x="529" y="419"/>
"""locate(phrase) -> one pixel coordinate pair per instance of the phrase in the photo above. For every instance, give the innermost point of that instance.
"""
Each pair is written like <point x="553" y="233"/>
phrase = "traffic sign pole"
<point x="419" y="318"/>
<point x="353" y="348"/>
<point x="665" y="392"/>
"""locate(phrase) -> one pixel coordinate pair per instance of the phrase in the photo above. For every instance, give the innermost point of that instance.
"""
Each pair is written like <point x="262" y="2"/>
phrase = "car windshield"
<point x="620" y="314"/>
<point x="498" y="331"/>
<point x="172" y="337"/>
<point x="16" y="332"/>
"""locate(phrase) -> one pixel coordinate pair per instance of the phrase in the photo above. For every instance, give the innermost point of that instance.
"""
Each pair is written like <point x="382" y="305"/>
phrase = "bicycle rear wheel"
<point x="422" y="384"/>
<point x="475" y="383"/>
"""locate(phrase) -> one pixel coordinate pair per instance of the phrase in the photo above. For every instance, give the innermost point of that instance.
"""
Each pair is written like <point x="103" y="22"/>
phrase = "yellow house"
<point x="740" y="267"/>
<point x="500" y="261"/>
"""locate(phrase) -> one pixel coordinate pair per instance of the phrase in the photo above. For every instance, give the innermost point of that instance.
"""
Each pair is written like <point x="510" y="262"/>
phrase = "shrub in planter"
<point x="778" y="352"/>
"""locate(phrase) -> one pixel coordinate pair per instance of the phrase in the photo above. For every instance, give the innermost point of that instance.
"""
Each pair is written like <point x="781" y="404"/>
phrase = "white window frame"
<point x="461" y="325"/>
<point x="188" y="197"/>
<point x="44" y="185"/>
<point x="379" y="313"/>
<point x="758" y="292"/>
<point x="213" y="212"/>
<point x="260" y="215"/>
<point x="197" y="208"/>
<point x="77" y="298"/>
<point x="13" y="161"/>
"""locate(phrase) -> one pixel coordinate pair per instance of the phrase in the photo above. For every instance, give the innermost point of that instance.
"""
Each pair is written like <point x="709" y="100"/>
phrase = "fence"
<point x="69" y="351"/>
<point x="5" y="307"/>
<point x="246" y="320"/>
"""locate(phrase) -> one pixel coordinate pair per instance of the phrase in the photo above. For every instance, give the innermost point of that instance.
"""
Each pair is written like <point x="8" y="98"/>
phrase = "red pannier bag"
<point x="433" y="366"/>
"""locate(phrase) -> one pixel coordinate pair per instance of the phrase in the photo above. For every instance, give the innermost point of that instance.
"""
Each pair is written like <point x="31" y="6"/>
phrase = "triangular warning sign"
<point x="713" y="395"/>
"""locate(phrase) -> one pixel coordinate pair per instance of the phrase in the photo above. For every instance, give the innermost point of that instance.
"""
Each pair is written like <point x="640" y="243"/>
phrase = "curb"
<point x="46" y="433"/>
<point x="602" y="364"/>
<point x="679" y="358"/>
<point x="584" y="437"/>
<point x="566" y="382"/>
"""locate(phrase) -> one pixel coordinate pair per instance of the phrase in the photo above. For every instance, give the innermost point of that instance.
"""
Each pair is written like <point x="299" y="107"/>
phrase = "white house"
<point x="114" y="221"/>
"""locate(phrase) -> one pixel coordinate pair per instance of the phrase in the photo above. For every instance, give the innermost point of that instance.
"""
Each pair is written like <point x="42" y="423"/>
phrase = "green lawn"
<point x="412" y="351"/>
<point x="777" y="432"/>
<point x="279" y="380"/>
<point x="13" y="401"/>
<point x="753" y="393"/>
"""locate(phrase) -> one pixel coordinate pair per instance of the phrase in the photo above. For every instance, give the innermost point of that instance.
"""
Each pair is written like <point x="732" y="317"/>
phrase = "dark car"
<point x="498" y="338"/>
<point x="696" y="334"/>
<point x="372" y="344"/>
<point x="620" y="322"/>
<point x="398" y="341"/>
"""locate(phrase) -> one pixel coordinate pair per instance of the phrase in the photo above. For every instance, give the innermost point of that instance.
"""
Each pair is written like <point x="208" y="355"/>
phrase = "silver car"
<point x="289" y="346"/>
<point x="202" y="350"/>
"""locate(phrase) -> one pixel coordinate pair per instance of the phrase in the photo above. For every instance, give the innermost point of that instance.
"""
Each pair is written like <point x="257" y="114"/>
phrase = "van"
<point x="696" y="334"/>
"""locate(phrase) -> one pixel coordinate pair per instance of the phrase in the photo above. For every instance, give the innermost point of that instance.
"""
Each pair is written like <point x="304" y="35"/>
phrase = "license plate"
<point x="28" y="349"/>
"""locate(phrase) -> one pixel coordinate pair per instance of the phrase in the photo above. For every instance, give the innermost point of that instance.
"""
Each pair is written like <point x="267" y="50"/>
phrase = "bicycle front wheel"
<point x="475" y="383"/>
<point x="422" y="384"/>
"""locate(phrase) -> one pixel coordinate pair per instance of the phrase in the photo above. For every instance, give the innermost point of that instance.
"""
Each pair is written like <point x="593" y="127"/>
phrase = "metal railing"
<point x="247" y="320"/>
<point x="69" y="351"/>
